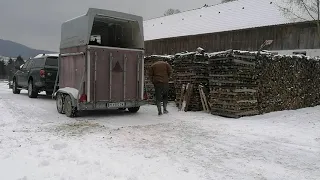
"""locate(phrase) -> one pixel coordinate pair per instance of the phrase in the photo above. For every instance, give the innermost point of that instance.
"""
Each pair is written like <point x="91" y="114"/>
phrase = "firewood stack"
<point x="148" y="61"/>
<point x="191" y="68"/>
<point x="233" y="83"/>
<point x="288" y="82"/>
<point x="242" y="83"/>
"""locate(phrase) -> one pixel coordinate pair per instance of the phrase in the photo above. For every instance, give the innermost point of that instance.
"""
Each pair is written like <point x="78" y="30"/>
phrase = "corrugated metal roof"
<point x="241" y="14"/>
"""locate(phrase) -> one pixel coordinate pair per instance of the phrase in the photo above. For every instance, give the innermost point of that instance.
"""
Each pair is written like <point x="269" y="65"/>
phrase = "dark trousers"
<point x="161" y="92"/>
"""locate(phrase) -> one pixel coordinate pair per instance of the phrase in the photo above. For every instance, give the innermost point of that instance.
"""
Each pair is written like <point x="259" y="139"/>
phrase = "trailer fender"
<point x="72" y="92"/>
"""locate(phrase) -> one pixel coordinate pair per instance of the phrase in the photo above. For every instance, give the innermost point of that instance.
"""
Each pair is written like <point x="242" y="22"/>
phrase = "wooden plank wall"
<point x="286" y="37"/>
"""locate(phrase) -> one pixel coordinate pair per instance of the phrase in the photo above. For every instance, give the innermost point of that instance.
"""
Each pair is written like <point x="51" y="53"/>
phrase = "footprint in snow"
<point x="44" y="163"/>
<point x="40" y="150"/>
<point x="59" y="146"/>
<point x="24" y="178"/>
<point x="62" y="157"/>
<point x="83" y="162"/>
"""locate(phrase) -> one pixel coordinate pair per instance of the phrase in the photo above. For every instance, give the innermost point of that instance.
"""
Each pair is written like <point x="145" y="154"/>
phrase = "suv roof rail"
<point x="46" y="55"/>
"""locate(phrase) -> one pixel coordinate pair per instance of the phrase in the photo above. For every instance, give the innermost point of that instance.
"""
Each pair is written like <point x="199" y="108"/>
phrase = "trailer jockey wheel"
<point x="69" y="109"/>
<point x="60" y="103"/>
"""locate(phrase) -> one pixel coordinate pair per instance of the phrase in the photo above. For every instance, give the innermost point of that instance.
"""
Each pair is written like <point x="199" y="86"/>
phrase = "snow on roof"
<point x="46" y="55"/>
<point x="241" y="14"/>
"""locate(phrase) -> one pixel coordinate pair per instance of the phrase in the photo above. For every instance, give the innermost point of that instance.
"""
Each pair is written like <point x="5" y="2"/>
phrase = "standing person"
<point x="159" y="74"/>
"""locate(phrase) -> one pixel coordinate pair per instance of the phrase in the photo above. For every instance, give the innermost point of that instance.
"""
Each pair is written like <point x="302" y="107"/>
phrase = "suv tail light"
<point x="83" y="98"/>
<point x="42" y="73"/>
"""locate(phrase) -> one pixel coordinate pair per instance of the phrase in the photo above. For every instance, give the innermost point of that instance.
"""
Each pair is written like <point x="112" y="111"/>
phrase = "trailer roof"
<point x="77" y="31"/>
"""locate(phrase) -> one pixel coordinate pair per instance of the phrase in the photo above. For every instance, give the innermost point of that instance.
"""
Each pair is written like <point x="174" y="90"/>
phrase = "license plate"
<point x="116" y="105"/>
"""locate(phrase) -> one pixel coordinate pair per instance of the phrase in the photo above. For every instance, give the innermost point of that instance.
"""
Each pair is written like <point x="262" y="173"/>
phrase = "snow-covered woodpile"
<point x="288" y="82"/>
<point x="233" y="83"/>
<point x="148" y="61"/>
<point x="245" y="83"/>
<point x="242" y="83"/>
<point x="190" y="68"/>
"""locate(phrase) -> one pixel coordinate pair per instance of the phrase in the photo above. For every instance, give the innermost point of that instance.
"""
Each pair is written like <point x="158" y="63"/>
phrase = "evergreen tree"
<point x="10" y="68"/>
<point x="10" y="62"/>
<point x="19" y="61"/>
<point x="2" y="70"/>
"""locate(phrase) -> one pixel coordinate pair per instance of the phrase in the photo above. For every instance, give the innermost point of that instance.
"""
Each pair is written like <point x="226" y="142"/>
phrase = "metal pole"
<point x="57" y="77"/>
<point x="95" y="78"/>
<point x="88" y="70"/>
<point x="124" y="76"/>
<point x="138" y="75"/>
<point x="110" y="77"/>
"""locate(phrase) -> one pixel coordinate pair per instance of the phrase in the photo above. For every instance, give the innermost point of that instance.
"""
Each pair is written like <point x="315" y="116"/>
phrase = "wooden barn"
<point x="242" y="24"/>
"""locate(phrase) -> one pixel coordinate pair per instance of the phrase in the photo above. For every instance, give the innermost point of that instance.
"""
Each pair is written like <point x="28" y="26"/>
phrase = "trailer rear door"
<point x="115" y="75"/>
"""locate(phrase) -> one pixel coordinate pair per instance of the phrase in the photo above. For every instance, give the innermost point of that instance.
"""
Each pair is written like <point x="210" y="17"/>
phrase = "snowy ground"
<point x="37" y="143"/>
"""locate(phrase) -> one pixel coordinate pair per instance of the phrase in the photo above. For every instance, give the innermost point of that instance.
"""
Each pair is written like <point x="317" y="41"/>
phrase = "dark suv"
<point x="36" y="75"/>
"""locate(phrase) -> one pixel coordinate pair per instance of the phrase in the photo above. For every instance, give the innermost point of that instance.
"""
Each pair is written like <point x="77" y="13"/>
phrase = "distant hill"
<point x="13" y="49"/>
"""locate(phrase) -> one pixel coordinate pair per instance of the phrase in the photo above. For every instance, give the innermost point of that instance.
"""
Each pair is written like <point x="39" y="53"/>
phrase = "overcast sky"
<point x="37" y="23"/>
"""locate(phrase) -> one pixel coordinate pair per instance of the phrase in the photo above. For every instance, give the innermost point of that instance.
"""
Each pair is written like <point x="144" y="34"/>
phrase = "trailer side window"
<point x="114" y="32"/>
<point x="95" y="40"/>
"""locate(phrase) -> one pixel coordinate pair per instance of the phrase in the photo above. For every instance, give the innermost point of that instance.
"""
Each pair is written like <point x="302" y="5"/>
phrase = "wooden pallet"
<point x="204" y="101"/>
<point x="186" y="93"/>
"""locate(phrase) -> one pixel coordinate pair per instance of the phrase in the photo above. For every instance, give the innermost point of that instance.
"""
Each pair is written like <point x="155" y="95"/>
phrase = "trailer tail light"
<point x="83" y="98"/>
<point x="42" y="73"/>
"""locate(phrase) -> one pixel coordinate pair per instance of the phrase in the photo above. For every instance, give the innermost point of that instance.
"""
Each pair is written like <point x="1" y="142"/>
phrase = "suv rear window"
<point x="52" y="61"/>
<point x="38" y="62"/>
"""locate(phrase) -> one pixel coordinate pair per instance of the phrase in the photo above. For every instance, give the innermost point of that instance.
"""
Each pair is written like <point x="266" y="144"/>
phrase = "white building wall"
<point x="309" y="52"/>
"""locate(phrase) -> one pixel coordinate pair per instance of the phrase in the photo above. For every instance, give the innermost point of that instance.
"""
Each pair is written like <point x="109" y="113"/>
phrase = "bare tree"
<point x="171" y="12"/>
<point x="302" y="10"/>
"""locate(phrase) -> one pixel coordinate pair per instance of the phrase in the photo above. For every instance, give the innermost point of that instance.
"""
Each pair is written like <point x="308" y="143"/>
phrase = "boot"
<point x="165" y="111"/>
<point x="159" y="109"/>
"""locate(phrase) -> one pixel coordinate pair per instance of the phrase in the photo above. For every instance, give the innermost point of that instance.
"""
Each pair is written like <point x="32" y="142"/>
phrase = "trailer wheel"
<point x="134" y="109"/>
<point x="60" y="103"/>
<point x="69" y="109"/>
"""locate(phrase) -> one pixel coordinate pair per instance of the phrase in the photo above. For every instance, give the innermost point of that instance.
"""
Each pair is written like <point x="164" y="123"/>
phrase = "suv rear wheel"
<point x="32" y="92"/>
<point x="15" y="89"/>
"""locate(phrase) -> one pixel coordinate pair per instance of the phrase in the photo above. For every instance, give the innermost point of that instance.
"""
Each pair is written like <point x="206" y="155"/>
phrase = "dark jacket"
<point x="160" y="72"/>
